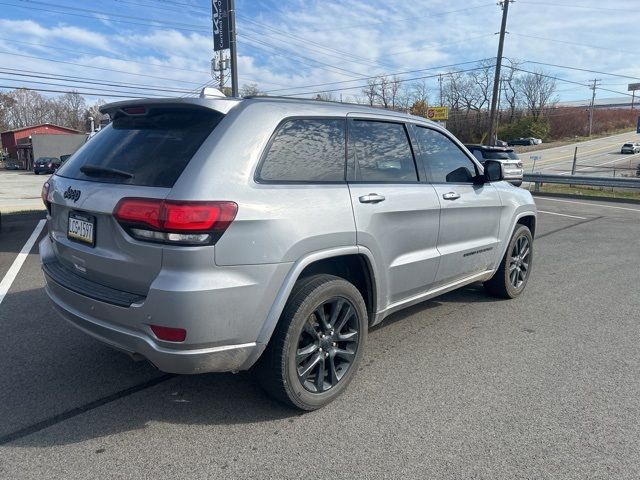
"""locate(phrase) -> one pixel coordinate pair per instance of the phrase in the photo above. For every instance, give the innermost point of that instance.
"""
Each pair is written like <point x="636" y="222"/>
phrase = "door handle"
<point x="451" y="196"/>
<point x="371" y="198"/>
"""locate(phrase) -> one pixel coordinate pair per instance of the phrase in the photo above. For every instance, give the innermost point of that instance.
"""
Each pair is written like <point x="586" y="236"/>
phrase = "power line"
<point x="378" y="84"/>
<point x="158" y="65"/>
<point x="405" y="19"/>
<point x="289" y="53"/>
<point x="4" y="52"/>
<point x="564" y="5"/>
<point x="573" y="43"/>
<point x="91" y="94"/>
<point x="580" y="69"/>
<point x="85" y="82"/>
<point x="106" y="14"/>
<point x="376" y="76"/>
<point x="568" y="81"/>
<point x="74" y="86"/>
<point x="333" y="51"/>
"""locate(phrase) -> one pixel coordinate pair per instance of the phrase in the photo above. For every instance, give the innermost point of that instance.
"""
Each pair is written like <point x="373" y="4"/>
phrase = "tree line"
<point x="22" y="108"/>
<point x="523" y="95"/>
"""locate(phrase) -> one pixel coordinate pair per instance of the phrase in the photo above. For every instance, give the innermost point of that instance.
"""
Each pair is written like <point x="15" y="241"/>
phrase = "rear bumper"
<point x="222" y="321"/>
<point x="223" y="358"/>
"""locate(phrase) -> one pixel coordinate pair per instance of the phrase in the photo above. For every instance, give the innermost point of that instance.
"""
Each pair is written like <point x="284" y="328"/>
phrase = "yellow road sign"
<point x="438" y="113"/>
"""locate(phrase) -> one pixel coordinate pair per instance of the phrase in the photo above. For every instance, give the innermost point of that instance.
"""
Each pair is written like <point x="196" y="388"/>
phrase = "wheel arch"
<point x="353" y="263"/>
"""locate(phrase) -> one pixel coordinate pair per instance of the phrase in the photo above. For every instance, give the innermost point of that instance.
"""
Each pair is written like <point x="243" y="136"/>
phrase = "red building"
<point x="11" y="138"/>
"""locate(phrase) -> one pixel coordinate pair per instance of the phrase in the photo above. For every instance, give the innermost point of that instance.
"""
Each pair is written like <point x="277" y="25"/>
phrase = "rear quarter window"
<point x="153" y="148"/>
<point x="306" y="150"/>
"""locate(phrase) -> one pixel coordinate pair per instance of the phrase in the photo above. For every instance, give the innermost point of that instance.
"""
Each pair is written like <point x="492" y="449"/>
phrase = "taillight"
<point x="175" y="222"/>
<point x="45" y="195"/>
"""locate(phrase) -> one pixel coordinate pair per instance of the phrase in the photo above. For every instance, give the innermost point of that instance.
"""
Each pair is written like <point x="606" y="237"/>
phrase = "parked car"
<point x="64" y="158"/>
<point x="211" y="235"/>
<point x="512" y="165"/>
<point x="521" y="141"/>
<point x="45" y="165"/>
<point x="9" y="165"/>
<point x="630" y="147"/>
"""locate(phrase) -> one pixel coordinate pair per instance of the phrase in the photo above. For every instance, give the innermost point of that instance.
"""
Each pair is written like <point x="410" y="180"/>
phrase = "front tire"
<point x="511" y="277"/>
<point x="317" y="345"/>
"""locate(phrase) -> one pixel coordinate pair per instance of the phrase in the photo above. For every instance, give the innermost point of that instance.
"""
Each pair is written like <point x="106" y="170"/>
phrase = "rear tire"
<point x="317" y="345"/>
<point x="511" y="277"/>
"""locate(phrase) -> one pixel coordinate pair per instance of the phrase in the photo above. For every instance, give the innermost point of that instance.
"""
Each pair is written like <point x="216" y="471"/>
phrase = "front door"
<point x="470" y="217"/>
<point x="396" y="215"/>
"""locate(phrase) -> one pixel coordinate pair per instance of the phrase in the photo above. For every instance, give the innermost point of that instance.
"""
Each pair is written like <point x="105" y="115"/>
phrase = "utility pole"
<point x="496" y="79"/>
<point x="593" y="100"/>
<point x="441" y="97"/>
<point x="221" y="71"/>
<point x="233" y="48"/>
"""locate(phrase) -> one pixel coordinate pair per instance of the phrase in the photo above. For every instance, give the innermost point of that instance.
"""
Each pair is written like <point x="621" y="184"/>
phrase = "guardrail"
<point x="616" y="182"/>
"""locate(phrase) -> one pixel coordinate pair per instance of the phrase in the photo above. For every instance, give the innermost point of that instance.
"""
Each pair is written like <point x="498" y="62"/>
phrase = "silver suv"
<point x="210" y="235"/>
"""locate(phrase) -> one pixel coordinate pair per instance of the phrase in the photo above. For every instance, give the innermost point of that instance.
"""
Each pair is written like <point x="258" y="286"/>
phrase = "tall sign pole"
<point x="496" y="79"/>
<point x="224" y="38"/>
<point x="233" y="50"/>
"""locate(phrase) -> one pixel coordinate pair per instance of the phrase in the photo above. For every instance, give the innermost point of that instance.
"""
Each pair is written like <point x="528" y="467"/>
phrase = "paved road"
<point x="600" y="157"/>
<point x="464" y="386"/>
<point x="20" y="190"/>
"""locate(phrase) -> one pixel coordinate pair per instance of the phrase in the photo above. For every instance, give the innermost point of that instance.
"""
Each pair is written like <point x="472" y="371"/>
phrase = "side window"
<point x="444" y="160"/>
<point x="477" y="154"/>
<point x="382" y="151"/>
<point x="306" y="150"/>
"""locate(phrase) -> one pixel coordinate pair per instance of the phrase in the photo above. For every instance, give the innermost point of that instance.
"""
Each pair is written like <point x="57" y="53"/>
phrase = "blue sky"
<point x="287" y="45"/>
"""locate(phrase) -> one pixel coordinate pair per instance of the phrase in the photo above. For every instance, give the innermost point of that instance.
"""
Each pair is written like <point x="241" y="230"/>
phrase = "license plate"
<point x="81" y="228"/>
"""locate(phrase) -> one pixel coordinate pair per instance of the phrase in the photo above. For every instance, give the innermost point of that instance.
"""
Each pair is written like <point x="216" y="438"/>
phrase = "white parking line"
<point x="12" y="273"/>
<point x="588" y="203"/>
<point x="562" y="214"/>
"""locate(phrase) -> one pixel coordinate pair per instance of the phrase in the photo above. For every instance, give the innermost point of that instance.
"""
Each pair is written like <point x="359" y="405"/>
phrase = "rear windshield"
<point x="628" y="145"/>
<point x="488" y="155"/>
<point x="149" y="150"/>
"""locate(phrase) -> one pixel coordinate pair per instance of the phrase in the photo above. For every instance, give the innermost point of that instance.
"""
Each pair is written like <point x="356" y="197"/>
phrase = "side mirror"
<point x="493" y="171"/>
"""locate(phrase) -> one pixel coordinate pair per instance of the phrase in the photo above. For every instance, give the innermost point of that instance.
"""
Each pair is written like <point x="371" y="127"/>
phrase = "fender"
<point x="290" y="280"/>
<point x="522" y="211"/>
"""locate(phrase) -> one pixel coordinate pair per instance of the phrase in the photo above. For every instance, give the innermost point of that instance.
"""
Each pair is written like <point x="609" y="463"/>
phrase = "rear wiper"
<point x="96" y="170"/>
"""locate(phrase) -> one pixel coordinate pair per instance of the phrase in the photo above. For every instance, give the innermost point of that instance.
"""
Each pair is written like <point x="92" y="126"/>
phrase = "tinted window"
<point x="382" y="152"/>
<point x="154" y="148"/>
<point x="445" y="161"/>
<point x="306" y="150"/>
<point x="496" y="155"/>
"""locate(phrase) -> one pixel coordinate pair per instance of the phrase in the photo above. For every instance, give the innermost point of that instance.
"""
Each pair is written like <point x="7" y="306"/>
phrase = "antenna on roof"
<point x="211" y="92"/>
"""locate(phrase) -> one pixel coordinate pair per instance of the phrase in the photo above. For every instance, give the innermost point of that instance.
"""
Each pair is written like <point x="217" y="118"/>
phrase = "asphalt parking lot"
<point x="464" y="386"/>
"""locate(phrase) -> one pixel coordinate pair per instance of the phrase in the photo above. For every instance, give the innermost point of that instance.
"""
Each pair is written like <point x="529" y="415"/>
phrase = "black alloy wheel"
<point x="327" y="345"/>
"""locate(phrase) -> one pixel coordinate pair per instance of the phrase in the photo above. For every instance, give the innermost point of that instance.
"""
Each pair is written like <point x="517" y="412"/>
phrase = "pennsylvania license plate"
<point x="82" y="228"/>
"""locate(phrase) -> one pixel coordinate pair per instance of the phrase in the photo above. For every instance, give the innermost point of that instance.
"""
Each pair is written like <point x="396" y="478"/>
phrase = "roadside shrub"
<point x="525" y="127"/>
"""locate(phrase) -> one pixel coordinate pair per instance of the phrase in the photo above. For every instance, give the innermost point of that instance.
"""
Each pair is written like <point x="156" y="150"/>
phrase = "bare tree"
<point x="420" y="92"/>
<point x="510" y="90"/>
<point x="74" y="107"/>
<point x="250" y="89"/>
<point x="538" y="91"/>
<point x="371" y="91"/>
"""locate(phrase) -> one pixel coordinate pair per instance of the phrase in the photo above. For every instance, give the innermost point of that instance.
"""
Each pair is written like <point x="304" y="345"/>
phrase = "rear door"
<point x="140" y="154"/>
<point x="470" y="216"/>
<point x="396" y="213"/>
